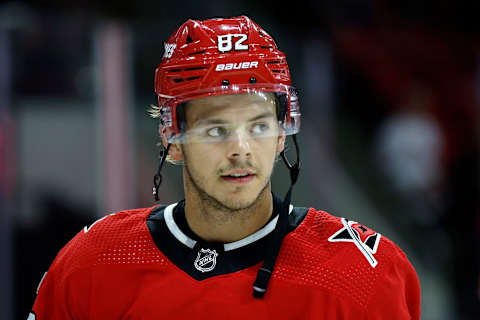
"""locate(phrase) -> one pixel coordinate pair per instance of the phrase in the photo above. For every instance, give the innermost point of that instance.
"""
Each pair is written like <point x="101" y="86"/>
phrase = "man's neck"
<point x="216" y="224"/>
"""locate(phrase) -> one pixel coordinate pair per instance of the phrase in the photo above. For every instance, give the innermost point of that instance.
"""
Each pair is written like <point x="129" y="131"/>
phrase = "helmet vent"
<point x="194" y="53"/>
<point x="190" y="73"/>
<point x="194" y="68"/>
<point x="186" y="69"/>
<point x="277" y="67"/>
<point x="178" y="80"/>
<point x="189" y="40"/>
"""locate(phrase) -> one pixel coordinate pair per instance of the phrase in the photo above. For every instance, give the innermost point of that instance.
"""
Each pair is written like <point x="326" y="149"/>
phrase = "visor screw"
<point x="253" y="80"/>
<point x="225" y="82"/>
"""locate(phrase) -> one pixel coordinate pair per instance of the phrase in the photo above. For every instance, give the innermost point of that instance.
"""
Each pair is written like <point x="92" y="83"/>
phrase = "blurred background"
<point x="390" y="95"/>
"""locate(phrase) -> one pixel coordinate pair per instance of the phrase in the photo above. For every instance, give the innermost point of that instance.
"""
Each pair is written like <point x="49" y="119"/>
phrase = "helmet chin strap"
<point x="275" y="242"/>
<point x="157" y="178"/>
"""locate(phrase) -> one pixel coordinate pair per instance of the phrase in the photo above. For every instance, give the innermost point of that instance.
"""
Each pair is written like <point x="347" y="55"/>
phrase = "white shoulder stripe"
<point x="189" y="242"/>
<point x="175" y="230"/>
<point x="253" y="237"/>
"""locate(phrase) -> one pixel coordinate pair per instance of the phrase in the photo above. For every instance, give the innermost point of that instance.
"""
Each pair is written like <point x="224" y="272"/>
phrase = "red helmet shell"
<point x="202" y="54"/>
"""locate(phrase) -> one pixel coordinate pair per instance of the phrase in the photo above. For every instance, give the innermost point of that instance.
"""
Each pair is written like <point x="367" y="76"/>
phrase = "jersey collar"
<point x="189" y="242"/>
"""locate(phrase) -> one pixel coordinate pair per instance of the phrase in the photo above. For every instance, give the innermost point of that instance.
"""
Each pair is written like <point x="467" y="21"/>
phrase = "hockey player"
<point x="231" y="249"/>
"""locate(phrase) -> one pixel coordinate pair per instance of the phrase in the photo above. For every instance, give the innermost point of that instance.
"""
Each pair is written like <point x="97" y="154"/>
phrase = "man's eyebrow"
<point x="267" y="114"/>
<point x="209" y="121"/>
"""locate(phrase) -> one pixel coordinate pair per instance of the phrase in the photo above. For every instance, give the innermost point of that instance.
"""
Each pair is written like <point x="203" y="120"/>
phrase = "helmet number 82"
<point x="225" y="42"/>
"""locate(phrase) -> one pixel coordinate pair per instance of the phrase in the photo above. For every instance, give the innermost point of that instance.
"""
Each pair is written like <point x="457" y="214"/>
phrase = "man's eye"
<point x="217" y="132"/>
<point x="260" y="128"/>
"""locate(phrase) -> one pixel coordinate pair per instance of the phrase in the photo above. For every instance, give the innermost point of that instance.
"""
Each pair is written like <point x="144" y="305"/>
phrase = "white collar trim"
<point x="189" y="242"/>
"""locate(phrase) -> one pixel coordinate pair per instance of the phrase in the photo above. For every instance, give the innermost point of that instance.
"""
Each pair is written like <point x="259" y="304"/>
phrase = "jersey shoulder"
<point x="332" y="234"/>
<point x="108" y="239"/>
<point x="349" y="260"/>
<point x="108" y="244"/>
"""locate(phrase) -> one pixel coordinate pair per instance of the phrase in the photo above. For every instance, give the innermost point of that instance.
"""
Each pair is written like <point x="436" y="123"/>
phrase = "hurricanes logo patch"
<point x="206" y="260"/>
<point x="363" y="237"/>
<point x="169" y="49"/>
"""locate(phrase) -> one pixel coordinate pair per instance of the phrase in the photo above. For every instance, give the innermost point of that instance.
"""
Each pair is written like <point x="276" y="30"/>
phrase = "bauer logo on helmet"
<point x="236" y="66"/>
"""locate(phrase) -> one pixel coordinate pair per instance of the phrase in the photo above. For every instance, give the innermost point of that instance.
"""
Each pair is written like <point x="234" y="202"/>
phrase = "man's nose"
<point x="239" y="146"/>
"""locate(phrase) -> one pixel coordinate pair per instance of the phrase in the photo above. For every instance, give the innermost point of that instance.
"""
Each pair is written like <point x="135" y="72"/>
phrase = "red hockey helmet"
<point x="217" y="57"/>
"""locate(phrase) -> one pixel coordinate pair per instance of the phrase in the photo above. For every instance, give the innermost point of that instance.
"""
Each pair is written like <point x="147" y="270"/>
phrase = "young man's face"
<point x="231" y="148"/>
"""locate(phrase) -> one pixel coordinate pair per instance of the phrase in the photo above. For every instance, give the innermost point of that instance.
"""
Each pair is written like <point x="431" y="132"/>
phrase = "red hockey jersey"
<point x="147" y="264"/>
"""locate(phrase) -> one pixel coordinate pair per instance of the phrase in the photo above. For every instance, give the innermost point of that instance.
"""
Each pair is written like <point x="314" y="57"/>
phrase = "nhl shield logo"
<point x="206" y="260"/>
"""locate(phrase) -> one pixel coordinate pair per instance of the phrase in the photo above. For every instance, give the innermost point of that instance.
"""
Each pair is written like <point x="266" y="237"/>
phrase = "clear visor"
<point x="232" y="114"/>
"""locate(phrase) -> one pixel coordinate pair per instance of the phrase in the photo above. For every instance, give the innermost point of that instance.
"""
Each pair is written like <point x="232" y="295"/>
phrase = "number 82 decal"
<point x="226" y="42"/>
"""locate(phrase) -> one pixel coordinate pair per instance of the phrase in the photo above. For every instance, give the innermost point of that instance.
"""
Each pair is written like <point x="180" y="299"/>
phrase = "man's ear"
<point x="175" y="152"/>
<point x="280" y="143"/>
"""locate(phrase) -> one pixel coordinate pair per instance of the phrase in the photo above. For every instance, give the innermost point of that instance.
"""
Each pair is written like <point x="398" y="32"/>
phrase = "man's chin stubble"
<point x="213" y="202"/>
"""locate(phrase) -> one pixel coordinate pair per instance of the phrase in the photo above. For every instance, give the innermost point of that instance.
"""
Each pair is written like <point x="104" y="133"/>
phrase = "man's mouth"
<point x="239" y="176"/>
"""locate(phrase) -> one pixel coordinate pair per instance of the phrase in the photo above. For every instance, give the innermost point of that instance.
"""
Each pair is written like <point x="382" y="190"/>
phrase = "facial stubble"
<point x="214" y="203"/>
